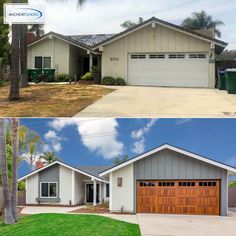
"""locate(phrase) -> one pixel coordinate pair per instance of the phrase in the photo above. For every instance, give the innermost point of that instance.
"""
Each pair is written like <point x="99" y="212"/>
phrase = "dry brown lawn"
<point x="45" y="100"/>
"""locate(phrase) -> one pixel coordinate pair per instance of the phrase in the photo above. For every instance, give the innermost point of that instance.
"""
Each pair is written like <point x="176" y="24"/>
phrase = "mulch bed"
<point x="93" y="209"/>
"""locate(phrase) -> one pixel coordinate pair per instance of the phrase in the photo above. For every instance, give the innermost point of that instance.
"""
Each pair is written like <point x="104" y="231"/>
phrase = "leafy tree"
<point x="38" y="30"/>
<point x="232" y="184"/>
<point x="129" y="24"/>
<point x="4" y="39"/>
<point x="119" y="160"/>
<point x="49" y="157"/>
<point x="202" y="21"/>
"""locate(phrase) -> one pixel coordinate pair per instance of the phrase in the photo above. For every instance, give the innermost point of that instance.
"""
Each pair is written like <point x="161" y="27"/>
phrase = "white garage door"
<point x="168" y="69"/>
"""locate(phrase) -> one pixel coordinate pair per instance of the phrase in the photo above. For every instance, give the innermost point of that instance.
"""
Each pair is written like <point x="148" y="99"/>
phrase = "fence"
<point x="21" y="198"/>
<point x="232" y="197"/>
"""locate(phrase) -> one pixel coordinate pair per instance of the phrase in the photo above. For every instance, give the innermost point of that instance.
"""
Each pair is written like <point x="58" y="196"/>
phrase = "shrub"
<point x="63" y="77"/>
<point x="108" y="80"/>
<point x="88" y="76"/>
<point x="120" y="81"/>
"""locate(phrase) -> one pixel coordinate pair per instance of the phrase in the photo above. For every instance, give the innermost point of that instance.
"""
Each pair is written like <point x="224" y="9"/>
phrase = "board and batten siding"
<point x="122" y="197"/>
<point x="51" y="174"/>
<point x="170" y="165"/>
<point x="58" y="50"/>
<point x="32" y="190"/>
<point x="150" y="40"/>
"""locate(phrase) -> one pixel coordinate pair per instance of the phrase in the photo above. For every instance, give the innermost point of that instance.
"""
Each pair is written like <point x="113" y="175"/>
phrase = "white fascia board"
<point x="164" y="25"/>
<point x="178" y="150"/>
<point x="62" y="164"/>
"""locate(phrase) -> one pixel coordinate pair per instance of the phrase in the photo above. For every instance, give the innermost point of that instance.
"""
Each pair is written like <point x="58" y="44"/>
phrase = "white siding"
<point x="65" y="185"/>
<point x="123" y="196"/>
<point x="57" y="49"/>
<point x="32" y="189"/>
<point x="149" y="40"/>
<point x="79" y="188"/>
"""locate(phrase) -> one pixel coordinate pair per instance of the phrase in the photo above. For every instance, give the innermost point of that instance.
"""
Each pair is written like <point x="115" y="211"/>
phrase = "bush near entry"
<point x="108" y="80"/>
<point x="120" y="81"/>
<point x="63" y="77"/>
<point x="88" y="77"/>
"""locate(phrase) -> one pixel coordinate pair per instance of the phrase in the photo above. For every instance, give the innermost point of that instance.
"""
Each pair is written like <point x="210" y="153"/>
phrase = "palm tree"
<point x="202" y="21"/>
<point x="118" y="160"/>
<point x="49" y="157"/>
<point x="9" y="219"/>
<point x="15" y="155"/>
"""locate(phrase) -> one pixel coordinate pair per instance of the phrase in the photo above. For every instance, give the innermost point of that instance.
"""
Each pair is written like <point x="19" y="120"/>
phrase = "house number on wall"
<point x="114" y="58"/>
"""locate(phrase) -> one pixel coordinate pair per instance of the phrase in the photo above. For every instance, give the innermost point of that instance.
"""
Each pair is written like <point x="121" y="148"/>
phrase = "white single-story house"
<point x="62" y="184"/>
<point x="153" y="53"/>
<point x="165" y="180"/>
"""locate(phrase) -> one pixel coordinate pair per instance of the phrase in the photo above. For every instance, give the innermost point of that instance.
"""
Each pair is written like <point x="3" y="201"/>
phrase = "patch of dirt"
<point x="99" y="209"/>
<point x="45" y="100"/>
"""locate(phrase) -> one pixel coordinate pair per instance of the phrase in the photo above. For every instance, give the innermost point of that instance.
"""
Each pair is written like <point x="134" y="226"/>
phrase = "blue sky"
<point x="105" y="16"/>
<point x="97" y="141"/>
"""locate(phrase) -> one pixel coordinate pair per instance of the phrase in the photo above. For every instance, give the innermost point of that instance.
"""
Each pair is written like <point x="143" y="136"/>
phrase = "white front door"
<point x="168" y="69"/>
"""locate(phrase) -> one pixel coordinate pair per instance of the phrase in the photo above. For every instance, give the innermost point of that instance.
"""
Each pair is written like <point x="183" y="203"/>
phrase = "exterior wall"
<point x="57" y="49"/>
<point x="1" y="199"/>
<point x="122" y="197"/>
<point x="32" y="189"/>
<point x="51" y="174"/>
<point x="167" y="165"/>
<point x="65" y="186"/>
<point x="79" y="189"/>
<point x="232" y="196"/>
<point x="147" y="40"/>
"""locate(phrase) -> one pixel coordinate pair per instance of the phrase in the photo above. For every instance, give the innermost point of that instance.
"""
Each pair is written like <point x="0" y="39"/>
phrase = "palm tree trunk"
<point x="23" y="55"/>
<point x="15" y="61"/>
<point x="9" y="219"/>
<point x="15" y="155"/>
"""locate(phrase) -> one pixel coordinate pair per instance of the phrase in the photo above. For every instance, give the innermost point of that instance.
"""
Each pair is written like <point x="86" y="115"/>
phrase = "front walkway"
<point x="131" y="101"/>
<point x="31" y="210"/>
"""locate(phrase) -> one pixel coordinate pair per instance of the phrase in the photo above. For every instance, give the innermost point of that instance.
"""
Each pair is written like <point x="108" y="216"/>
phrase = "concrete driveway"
<point x="178" y="225"/>
<point x="135" y="101"/>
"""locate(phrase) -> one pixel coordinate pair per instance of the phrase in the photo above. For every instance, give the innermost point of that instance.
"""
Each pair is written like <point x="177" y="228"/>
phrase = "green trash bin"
<point x="221" y="82"/>
<point x="34" y="74"/>
<point x="231" y="81"/>
<point x="49" y="74"/>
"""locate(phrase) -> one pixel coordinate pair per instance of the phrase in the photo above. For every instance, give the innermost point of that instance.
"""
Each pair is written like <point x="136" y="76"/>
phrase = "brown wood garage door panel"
<point x="179" y="197"/>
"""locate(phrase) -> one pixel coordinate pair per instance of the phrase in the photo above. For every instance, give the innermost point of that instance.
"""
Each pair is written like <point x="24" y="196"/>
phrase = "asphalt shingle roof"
<point x="93" y="170"/>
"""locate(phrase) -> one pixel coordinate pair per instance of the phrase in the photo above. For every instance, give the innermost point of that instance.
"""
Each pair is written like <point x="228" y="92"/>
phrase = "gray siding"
<point x="168" y="164"/>
<point x="51" y="174"/>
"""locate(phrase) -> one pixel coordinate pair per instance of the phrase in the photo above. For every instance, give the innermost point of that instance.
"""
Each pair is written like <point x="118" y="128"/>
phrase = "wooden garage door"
<point x="179" y="197"/>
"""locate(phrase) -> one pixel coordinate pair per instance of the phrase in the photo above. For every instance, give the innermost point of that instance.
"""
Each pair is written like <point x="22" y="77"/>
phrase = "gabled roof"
<point x="232" y="170"/>
<point x="94" y="170"/>
<point x="82" y="41"/>
<point x="78" y="170"/>
<point x="220" y="43"/>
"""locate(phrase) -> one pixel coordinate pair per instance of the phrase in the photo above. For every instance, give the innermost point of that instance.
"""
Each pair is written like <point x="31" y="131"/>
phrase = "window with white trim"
<point x="42" y="62"/>
<point x="138" y="56"/>
<point x="49" y="189"/>
<point x="195" y="55"/>
<point x="157" y="56"/>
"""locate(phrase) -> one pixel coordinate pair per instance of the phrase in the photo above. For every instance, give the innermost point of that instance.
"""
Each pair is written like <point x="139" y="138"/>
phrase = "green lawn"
<point x="65" y="224"/>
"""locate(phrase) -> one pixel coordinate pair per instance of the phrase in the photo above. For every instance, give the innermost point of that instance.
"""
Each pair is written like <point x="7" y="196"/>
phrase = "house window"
<point x="140" y="56"/>
<point x="166" y="184"/>
<point x="187" y="184"/>
<point x="42" y="62"/>
<point x="147" y="184"/>
<point x="206" y="183"/>
<point x="49" y="190"/>
<point x="38" y="62"/>
<point x="107" y="190"/>
<point x="119" y="182"/>
<point x="157" y="56"/>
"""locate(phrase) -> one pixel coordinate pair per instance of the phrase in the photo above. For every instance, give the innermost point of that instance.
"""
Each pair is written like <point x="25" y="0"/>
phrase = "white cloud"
<point x="183" y="121"/>
<point x="97" y="134"/>
<point x="136" y="134"/>
<point x="53" y="141"/>
<point x="139" y="146"/>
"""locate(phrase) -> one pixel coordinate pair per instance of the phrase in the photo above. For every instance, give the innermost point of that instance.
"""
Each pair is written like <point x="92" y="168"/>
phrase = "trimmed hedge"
<point x="108" y="80"/>
<point x="120" y="81"/>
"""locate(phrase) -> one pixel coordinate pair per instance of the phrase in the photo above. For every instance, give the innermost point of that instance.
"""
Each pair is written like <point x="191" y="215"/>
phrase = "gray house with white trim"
<point x="153" y="53"/>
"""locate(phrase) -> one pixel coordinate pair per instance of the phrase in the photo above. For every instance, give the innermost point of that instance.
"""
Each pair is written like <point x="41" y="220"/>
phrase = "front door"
<point x="86" y="65"/>
<point x="89" y="193"/>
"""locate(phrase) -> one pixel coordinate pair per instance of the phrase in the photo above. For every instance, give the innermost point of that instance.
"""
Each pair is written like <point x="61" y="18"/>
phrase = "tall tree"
<point x="128" y="24"/>
<point x="49" y="157"/>
<point x="202" y="21"/>
<point x="15" y="61"/>
<point x="38" y="30"/>
<point x="15" y="155"/>
<point x="9" y="219"/>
